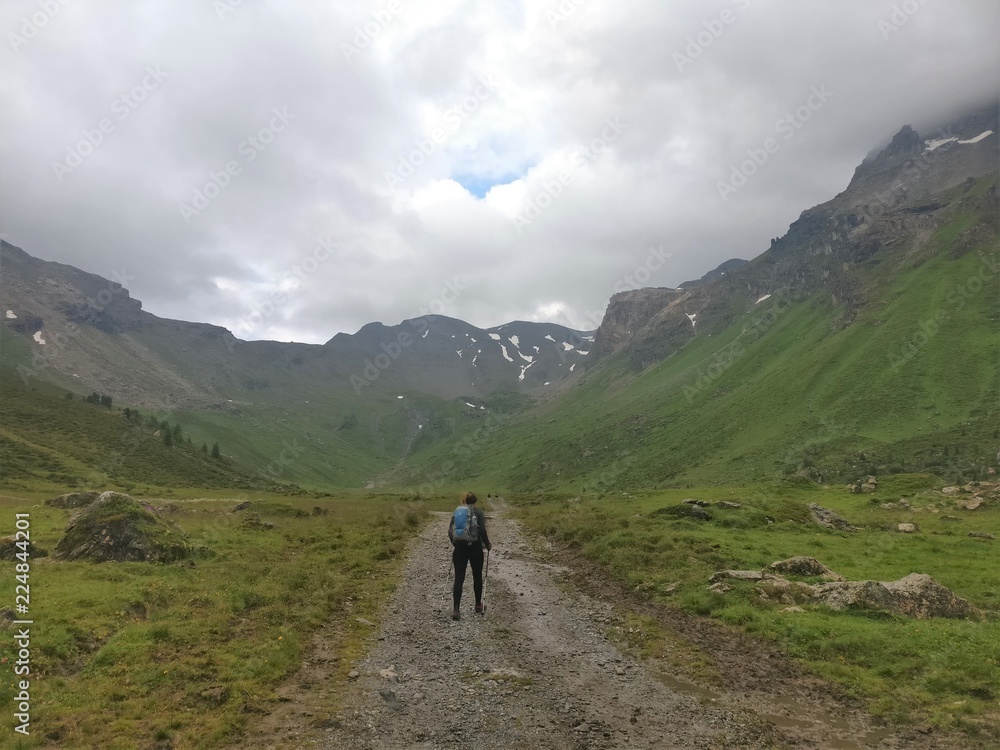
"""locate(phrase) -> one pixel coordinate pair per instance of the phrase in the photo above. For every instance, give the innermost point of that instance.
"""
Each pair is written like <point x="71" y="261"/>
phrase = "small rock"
<point x="242" y="506"/>
<point x="363" y="621"/>
<point x="792" y="609"/>
<point x="729" y="504"/>
<point x="907" y="528"/>
<point x="739" y="575"/>
<point x="981" y="535"/>
<point x="973" y="503"/>
<point x="950" y="490"/>
<point x="828" y="519"/>
<point x="353" y="674"/>
<point x="805" y="566"/>
<point x="620" y="671"/>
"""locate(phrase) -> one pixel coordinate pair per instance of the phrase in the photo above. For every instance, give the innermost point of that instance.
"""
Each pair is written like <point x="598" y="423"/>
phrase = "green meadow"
<point x="127" y="655"/>
<point x="935" y="672"/>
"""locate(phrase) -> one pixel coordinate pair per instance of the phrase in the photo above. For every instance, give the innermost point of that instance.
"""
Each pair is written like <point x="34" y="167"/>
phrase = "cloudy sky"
<point x="292" y="170"/>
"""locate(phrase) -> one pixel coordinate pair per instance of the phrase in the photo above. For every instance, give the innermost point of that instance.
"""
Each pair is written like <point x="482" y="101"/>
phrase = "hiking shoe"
<point x="480" y="608"/>
<point x="456" y="615"/>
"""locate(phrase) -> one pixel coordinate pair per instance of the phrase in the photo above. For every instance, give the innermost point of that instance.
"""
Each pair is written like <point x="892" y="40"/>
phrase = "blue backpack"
<point x="466" y="525"/>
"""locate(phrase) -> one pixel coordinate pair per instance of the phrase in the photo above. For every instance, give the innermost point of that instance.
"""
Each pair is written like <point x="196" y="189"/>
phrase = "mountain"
<point x="865" y="340"/>
<point x="341" y="412"/>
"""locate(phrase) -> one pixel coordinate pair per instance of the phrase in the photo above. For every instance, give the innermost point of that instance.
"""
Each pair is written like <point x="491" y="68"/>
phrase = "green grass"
<point x="941" y="672"/>
<point x="124" y="654"/>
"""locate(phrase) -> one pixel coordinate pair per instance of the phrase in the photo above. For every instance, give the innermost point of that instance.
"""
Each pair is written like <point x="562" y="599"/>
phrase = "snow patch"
<point x="515" y="340"/>
<point x="691" y="317"/>
<point x="523" y="369"/>
<point x="38" y="338"/>
<point x="505" y="354"/>
<point x="424" y="334"/>
<point x="584" y="353"/>
<point x="550" y="338"/>
<point x="546" y="382"/>
<point x="766" y="296"/>
<point x="10" y="315"/>
<point x="468" y="404"/>
<point x="938" y="142"/>
<point x="495" y="336"/>
<point x="526" y="357"/>
<point x="398" y="396"/>
<point x="420" y="427"/>
<point x="572" y="366"/>
<point x="567" y="347"/>
<point x="978" y="138"/>
<point x="537" y="350"/>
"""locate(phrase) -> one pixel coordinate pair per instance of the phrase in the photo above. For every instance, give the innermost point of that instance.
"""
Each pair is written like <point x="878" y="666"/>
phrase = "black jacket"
<point x="484" y="537"/>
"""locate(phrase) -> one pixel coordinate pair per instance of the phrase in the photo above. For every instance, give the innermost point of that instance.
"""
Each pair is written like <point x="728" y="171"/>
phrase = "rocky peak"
<point x="627" y="313"/>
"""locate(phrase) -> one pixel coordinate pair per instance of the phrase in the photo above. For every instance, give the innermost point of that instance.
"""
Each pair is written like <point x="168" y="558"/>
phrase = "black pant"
<point x="465" y="553"/>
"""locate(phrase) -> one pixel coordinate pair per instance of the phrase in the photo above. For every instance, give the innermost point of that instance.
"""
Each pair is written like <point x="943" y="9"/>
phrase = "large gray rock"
<point x="917" y="595"/>
<point x="118" y="527"/>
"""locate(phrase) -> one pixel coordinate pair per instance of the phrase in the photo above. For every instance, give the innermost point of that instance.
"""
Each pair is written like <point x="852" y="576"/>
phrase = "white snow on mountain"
<point x="550" y="338"/>
<point x="10" y="315"/>
<point x="38" y="337"/>
<point x="515" y="341"/>
<point x="766" y="296"/>
<point x="568" y="347"/>
<point x="505" y="354"/>
<point x="495" y="336"/>
<point x="978" y="138"/>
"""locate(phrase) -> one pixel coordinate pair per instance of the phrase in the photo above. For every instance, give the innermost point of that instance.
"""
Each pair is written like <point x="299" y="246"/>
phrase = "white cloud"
<point x="549" y="92"/>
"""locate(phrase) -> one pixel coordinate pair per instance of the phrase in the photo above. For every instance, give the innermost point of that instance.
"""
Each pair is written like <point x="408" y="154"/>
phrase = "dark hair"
<point x="469" y="498"/>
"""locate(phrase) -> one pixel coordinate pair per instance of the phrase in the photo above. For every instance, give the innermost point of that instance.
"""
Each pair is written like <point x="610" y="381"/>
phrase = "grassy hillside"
<point x="910" y="384"/>
<point x="54" y="443"/>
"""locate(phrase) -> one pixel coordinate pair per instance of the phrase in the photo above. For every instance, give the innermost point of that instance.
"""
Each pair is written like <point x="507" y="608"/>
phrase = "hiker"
<point x="468" y="551"/>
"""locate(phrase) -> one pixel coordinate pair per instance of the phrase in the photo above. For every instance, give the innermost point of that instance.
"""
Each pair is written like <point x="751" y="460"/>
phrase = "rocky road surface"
<point x="538" y="671"/>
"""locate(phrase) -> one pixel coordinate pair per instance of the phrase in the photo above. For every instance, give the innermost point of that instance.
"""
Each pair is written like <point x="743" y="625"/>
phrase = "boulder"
<point x="242" y="506"/>
<point x="828" y="519"/>
<point x="950" y="490"/>
<point x="981" y="535"/>
<point x="729" y="504"/>
<point x="318" y="511"/>
<point x="73" y="499"/>
<point x="805" y="566"/>
<point x="9" y="549"/>
<point x="917" y="595"/>
<point x="683" y="511"/>
<point x="907" y="528"/>
<point x="117" y="527"/>
<point x="701" y="503"/>
<point x="973" y="503"/>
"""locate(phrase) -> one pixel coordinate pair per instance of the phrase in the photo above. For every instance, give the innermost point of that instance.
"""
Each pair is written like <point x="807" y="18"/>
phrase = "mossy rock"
<point x="116" y="527"/>
<point x="73" y="499"/>
<point x="9" y="549"/>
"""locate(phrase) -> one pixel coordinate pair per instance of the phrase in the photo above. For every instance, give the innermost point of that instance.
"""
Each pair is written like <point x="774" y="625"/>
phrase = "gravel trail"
<point x="536" y="671"/>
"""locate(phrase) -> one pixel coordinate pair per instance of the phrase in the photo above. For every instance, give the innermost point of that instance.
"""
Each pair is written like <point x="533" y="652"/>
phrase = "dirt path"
<point x="537" y="671"/>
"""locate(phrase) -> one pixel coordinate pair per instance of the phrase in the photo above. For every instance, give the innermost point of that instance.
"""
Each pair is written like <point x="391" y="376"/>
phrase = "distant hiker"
<point x="467" y="532"/>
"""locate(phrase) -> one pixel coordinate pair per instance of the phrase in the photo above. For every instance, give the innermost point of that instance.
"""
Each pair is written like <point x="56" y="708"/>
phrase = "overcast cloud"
<point x="492" y="161"/>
